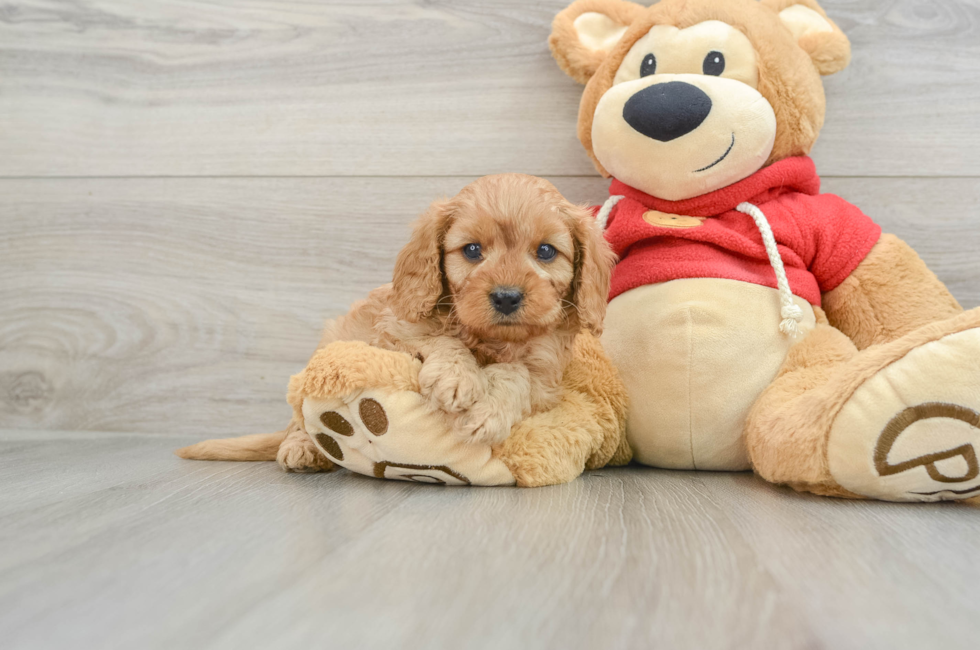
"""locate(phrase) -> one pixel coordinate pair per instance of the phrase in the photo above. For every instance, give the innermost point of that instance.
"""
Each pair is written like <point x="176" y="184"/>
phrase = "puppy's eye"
<point x="472" y="252"/>
<point x="714" y="63"/>
<point x="546" y="252"/>
<point x="649" y="65"/>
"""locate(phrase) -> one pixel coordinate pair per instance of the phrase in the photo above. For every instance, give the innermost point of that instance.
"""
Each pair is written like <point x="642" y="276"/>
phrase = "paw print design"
<point x="956" y="465"/>
<point x="436" y="474"/>
<point x="394" y="435"/>
<point x="911" y="431"/>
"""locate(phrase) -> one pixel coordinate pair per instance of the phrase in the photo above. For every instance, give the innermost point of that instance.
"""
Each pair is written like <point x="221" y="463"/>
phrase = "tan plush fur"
<point x="891" y="304"/>
<point x="491" y="369"/>
<point x="789" y="71"/>
<point x="787" y="429"/>
<point x="889" y="307"/>
<point x="891" y="293"/>
<point x="579" y="62"/>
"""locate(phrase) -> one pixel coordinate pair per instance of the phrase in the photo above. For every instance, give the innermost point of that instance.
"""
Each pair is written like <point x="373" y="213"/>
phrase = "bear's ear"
<point x="585" y="31"/>
<point x="819" y="37"/>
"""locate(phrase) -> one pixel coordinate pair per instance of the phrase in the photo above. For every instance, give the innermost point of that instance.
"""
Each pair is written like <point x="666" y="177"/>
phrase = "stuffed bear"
<point x="363" y="410"/>
<point x="757" y="323"/>
<point x="362" y="407"/>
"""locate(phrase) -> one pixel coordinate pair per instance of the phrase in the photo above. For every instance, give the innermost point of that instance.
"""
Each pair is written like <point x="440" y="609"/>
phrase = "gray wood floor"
<point x="188" y="189"/>
<point x="108" y="541"/>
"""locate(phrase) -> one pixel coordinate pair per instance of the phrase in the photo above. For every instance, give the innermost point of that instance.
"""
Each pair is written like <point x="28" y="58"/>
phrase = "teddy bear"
<point x="363" y="409"/>
<point x="756" y="322"/>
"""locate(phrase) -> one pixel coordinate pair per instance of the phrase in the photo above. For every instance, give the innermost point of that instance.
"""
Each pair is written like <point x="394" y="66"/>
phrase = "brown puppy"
<point x="489" y="293"/>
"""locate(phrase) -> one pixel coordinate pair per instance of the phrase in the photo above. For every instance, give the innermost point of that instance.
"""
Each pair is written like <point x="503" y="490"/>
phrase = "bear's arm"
<point x="890" y="293"/>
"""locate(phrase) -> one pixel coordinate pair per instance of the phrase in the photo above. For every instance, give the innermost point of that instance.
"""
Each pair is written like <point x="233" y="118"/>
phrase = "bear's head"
<point x="689" y="96"/>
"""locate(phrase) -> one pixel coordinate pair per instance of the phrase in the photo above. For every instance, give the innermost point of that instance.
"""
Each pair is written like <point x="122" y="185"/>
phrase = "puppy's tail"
<point x="258" y="446"/>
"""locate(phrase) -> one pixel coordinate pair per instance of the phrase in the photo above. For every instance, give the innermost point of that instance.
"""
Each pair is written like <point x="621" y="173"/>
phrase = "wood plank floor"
<point x="108" y="541"/>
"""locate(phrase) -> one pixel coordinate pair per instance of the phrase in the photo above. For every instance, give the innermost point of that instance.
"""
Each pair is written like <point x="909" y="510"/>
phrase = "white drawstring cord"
<point x="607" y="207"/>
<point x="791" y="313"/>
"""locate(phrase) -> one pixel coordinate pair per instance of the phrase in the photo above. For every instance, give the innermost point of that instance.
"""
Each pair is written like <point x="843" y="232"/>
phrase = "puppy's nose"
<point x="506" y="300"/>
<point x="667" y="111"/>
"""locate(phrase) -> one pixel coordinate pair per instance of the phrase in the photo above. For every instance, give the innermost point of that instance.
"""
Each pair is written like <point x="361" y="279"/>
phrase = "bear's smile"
<point x="723" y="156"/>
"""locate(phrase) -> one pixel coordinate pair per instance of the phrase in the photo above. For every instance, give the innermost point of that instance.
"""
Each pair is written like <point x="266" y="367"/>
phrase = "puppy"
<point x="489" y="293"/>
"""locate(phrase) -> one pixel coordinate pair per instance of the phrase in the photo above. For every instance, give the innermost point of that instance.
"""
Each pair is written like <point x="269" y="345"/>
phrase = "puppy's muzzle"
<point x="506" y="300"/>
<point x="666" y="111"/>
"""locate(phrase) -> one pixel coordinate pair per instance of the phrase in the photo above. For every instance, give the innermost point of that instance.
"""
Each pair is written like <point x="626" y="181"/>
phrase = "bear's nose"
<point x="667" y="111"/>
<point x="506" y="300"/>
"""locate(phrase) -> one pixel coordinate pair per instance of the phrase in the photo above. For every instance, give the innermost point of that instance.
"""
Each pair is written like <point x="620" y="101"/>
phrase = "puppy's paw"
<point x="451" y="387"/>
<point x="299" y="455"/>
<point x="484" y="423"/>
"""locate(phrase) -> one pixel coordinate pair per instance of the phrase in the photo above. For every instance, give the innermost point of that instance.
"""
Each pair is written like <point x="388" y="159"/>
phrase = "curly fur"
<point x="489" y="369"/>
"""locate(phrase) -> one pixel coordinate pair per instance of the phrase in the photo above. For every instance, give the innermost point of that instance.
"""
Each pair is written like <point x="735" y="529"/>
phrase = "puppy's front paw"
<point x="299" y="455"/>
<point x="451" y="387"/>
<point x="484" y="423"/>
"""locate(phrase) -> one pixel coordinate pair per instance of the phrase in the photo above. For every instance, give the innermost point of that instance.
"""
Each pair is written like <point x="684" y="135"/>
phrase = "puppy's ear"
<point x="594" y="262"/>
<point x="583" y="33"/>
<point x="417" y="281"/>
<point x="819" y="37"/>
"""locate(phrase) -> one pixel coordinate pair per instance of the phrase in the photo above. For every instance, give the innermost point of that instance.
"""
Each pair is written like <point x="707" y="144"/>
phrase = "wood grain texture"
<point x="183" y="305"/>
<point x="111" y="87"/>
<point x="192" y="187"/>
<point x="108" y="541"/>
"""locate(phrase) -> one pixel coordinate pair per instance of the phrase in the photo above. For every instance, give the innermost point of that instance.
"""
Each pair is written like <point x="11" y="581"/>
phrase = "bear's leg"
<point x="786" y="439"/>
<point x="898" y="421"/>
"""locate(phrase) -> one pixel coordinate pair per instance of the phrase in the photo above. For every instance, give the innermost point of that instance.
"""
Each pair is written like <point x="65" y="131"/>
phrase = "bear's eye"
<point x="472" y="252"/>
<point x="714" y="63"/>
<point x="546" y="252"/>
<point x="649" y="65"/>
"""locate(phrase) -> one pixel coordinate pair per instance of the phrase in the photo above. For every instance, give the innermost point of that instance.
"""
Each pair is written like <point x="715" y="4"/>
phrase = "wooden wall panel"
<point x="185" y="304"/>
<point x="119" y="88"/>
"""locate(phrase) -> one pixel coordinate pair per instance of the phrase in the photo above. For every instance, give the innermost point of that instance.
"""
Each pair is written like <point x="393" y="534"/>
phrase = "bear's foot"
<point x="394" y="435"/>
<point x="911" y="430"/>
<point x="362" y="408"/>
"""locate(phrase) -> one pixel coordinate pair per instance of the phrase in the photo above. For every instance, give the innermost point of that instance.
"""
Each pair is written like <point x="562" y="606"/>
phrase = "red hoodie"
<point x="821" y="237"/>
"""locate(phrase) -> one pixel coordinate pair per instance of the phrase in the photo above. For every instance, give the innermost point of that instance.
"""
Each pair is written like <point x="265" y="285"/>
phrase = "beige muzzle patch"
<point x="732" y="142"/>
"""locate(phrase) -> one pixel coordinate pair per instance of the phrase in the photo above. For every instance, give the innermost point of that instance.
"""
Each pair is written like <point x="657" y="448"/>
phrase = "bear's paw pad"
<point x="393" y="434"/>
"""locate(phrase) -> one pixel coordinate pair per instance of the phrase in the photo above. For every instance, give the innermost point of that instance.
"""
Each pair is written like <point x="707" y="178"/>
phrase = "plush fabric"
<point x="581" y="62"/>
<point x="821" y="237"/>
<point x="786" y="70"/>
<point x="789" y="428"/>
<point x="890" y="294"/>
<point x="879" y="396"/>
<point x="694" y="355"/>
<point x="362" y="408"/>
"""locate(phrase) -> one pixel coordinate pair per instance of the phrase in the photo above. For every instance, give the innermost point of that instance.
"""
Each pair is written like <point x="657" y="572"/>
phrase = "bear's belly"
<point x="695" y="354"/>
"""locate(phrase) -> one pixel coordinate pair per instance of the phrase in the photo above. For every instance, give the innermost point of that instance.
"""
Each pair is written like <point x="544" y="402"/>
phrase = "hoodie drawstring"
<point x="791" y="313"/>
<point x="607" y="207"/>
